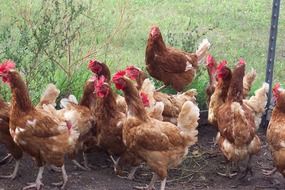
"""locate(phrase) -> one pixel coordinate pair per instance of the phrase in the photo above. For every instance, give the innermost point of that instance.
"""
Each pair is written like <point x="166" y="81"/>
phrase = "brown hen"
<point x="49" y="96"/>
<point x="237" y="137"/>
<point x="161" y="145"/>
<point x="224" y="76"/>
<point x="44" y="137"/>
<point x="275" y="132"/>
<point x="172" y="66"/>
<point x="109" y="120"/>
<point x="7" y="140"/>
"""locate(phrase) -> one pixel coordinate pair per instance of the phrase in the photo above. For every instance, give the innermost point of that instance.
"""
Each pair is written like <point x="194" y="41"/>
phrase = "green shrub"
<point x="52" y="40"/>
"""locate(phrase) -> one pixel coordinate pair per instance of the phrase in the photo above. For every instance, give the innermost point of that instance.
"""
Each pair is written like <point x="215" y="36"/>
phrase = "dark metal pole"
<point x="271" y="57"/>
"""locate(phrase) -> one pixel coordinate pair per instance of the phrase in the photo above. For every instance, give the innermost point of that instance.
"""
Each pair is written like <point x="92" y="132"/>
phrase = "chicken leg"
<point x="162" y="184"/>
<point x="151" y="184"/>
<point x="64" y="177"/>
<point x="269" y="172"/>
<point x="54" y="168"/>
<point x="248" y="169"/>
<point x="75" y="162"/>
<point x="115" y="162"/>
<point x="85" y="161"/>
<point x="6" y="159"/>
<point x="131" y="174"/>
<point x="228" y="171"/>
<point x="37" y="185"/>
<point x="14" y="174"/>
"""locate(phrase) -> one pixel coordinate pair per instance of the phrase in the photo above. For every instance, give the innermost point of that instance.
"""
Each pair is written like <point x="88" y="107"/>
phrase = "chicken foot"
<point x="151" y="184"/>
<point x="15" y="172"/>
<point x="131" y="174"/>
<point x="85" y="161"/>
<point x="248" y="169"/>
<point x="75" y="162"/>
<point x="228" y="171"/>
<point x="64" y="177"/>
<point x="37" y="185"/>
<point x="269" y="172"/>
<point x="86" y="164"/>
<point x="6" y="159"/>
<point x="54" y="168"/>
<point x="115" y="162"/>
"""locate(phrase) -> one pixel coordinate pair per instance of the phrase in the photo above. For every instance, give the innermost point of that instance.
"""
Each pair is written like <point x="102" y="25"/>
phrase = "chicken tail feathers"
<point x="49" y="96"/>
<point x="248" y="79"/>
<point x="189" y="95"/>
<point x="203" y="50"/>
<point x="71" y="117"/>
<point x="65" y="101"/>
<point x="188" y="121"/>
<point x="259" y="100"/>
<point x="258" y="103"/>
<point x="157" y="111"/>
<point x="149" y="89"/>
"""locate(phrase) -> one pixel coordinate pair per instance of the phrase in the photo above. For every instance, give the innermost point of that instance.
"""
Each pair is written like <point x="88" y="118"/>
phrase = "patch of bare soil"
<point x="198" y="171"/>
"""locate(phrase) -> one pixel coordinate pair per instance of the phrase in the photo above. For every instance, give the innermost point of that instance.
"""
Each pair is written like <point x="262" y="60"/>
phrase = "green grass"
<point x="241" y="30"/>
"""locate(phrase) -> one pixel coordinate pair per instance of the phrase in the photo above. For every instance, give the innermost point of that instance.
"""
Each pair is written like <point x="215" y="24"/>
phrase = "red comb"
<point x="210" y="59"/>
<point x="211" y="63"/>
<point x="91" y="62"/>
<point x="276" y="86"/>
<point x="275" y="89"/>
<point x="222" y="64"/>
<point x="144" y="99"/>
<point x="154" y="30"/>
<point x="132" y="72"/>
<point x="118" y="75"/>
<point x="95" y="66"/>
<point x="241" y="61"/>
<point x="7" y="65"/>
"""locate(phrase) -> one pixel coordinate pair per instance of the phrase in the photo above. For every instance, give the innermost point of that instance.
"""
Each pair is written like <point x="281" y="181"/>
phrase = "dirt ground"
<point x="198" y="171"/>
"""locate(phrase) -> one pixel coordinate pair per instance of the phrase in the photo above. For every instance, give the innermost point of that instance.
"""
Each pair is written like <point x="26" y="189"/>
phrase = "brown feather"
<point x="109" y="122"/>
<point x="168" y="64"/>
<point x="34" y="130"/>
<point x="5" y="137"/>
<point x="219" y="96"/>
<point x="275" y="133"/>
<point x="235" y="122"/>
<point x="88" y="96"/>
<point x="161" y="145"/>
<point x="235" y="93"/>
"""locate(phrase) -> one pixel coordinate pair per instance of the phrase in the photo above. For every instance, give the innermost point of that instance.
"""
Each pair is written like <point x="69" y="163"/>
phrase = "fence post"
<point x="271" y="58"/>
